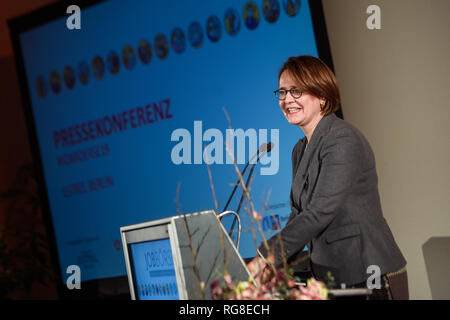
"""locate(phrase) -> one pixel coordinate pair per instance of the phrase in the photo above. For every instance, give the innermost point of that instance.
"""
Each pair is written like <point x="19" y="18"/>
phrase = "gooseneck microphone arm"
<point x="246" y="186"/>
<point x="263" y="147"/>
<point x="268" y="148"/>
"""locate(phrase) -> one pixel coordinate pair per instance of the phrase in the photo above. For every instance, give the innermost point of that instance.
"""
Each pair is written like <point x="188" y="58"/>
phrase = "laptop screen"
<point x="153" y="270"/>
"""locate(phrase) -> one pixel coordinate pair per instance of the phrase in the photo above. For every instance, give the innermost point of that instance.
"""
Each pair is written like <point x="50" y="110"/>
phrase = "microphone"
<point x="269" y="148"/>
<point x="263" y="148"/>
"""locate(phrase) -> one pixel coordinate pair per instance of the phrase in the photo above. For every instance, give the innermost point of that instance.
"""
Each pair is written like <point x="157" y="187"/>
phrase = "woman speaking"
<point x="335" y="204"/>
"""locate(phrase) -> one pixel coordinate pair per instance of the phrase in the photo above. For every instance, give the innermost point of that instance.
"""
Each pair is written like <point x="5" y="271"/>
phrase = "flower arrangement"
<point x="271" y="284"/>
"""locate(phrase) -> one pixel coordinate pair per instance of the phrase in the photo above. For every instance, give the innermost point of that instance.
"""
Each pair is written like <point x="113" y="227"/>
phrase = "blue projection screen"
<point x="131" y="110"/>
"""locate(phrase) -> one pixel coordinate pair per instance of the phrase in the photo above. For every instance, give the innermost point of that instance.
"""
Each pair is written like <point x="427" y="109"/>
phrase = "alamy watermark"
<point x="374" y="280"/>
<point x="191" y="149"/>
<point x="74" y="20"/>
<point x="74" y="280"/>
<point x="374" y="20"/>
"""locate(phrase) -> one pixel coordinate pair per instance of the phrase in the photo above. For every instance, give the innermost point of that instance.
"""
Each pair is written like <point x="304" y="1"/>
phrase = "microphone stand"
<point x="243" y="194"/>
<point x="267" y="150"/>
<point x="242" y="174"/>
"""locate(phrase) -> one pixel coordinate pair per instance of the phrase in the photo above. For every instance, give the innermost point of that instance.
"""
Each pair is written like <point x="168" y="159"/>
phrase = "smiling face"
<point x="305" y="111"/>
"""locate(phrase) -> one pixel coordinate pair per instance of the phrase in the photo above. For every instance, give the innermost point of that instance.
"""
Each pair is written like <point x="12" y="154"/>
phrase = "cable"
<point x="239" y="224"/>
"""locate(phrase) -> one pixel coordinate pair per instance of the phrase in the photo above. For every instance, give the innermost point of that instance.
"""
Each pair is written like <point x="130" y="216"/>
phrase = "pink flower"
<point x="216" y="290"/>
<point x="271" y="259"/>
<point x="314" y="290"/>
<point x="256" y="216"/>
<point x="290" y="283"/>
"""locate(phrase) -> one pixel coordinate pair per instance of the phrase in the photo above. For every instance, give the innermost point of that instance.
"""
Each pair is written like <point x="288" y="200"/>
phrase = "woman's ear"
<point x="322" y="103"/>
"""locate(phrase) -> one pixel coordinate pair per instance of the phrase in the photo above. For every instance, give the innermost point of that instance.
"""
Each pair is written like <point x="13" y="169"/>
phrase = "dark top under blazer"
<point x="336" y="207"/>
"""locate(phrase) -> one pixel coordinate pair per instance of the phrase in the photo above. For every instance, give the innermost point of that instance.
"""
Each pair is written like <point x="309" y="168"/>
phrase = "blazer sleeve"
<point x="339" y="169"/>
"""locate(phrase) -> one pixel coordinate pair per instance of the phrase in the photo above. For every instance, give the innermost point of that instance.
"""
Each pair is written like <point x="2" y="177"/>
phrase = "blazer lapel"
<point x="298" y="156"/>
<point x="307" y="155"/>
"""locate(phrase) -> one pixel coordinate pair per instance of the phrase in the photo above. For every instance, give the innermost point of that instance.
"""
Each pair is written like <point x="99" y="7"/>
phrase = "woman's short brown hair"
<point x="314" y="77"/>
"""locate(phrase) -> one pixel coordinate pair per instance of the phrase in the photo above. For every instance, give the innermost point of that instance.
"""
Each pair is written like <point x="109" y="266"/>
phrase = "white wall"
<point x="395" y="88"/>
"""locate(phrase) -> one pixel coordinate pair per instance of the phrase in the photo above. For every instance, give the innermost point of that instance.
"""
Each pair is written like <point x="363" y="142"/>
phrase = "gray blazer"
<point x="336" y="207"/>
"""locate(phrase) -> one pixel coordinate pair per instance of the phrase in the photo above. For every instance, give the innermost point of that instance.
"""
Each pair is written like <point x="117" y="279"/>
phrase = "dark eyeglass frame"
<point x="291" y="91"/>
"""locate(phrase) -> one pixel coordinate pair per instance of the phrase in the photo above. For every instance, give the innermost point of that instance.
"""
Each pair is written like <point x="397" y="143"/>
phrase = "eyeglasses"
<point x="282" y="93"/>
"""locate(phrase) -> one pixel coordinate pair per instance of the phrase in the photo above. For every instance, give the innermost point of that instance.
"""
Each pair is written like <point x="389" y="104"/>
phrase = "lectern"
<point x="168" y="259"/>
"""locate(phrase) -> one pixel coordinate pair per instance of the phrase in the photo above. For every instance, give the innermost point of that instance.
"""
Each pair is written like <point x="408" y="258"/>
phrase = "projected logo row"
<point x="251" y="18"/>
<point x="157" y="290"/>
